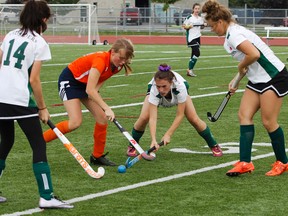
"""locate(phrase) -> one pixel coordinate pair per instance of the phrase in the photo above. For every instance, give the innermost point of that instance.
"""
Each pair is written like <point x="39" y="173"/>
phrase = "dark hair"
<point x="194" y="5"/>
<point x="215" y="11"/>
<point x="164" y="72"/>
<point x="32" y="16"/>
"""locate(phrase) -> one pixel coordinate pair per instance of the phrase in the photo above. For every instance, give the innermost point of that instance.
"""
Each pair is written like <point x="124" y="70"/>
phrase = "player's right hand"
<point x="109" y="114"/>
<point x="44" y="115"/>
<point x="154" y="144"/>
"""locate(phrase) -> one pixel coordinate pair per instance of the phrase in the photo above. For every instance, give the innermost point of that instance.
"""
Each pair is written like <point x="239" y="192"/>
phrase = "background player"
<point x="193" y="35"/>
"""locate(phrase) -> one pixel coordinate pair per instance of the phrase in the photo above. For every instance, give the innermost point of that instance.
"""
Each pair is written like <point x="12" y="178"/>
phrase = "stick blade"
<point x="148" y="157"/>
<point x="101" y="171"/>
<point x="127" y="163"/>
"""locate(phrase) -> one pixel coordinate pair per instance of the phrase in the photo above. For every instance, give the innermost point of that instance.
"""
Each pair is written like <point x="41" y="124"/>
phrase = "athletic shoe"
<point x="190" y="73"/>
<point x="101" y="161"/>
<point x="2" y="199"/>
<point x="54" y="203"/>
<point x="277" y="169"/>
<point x="240" y="167"/>
<point x="217" y="151"/>
<point x="131" y="151"/>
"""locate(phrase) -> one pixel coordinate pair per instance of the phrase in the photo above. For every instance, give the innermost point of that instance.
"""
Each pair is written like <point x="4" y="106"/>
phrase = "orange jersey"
<point x="99" y="60"/>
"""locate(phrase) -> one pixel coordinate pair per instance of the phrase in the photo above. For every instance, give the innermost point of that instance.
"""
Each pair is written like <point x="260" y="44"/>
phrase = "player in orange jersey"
<point x="80" y="82"/>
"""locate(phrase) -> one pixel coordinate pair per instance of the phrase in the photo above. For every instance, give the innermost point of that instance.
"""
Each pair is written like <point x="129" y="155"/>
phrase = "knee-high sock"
<point x="49" y="135"/>
<point x="2" y="167"/>
<point x="43" y="178"/>
<point x="246" y="139"/>
<point x="278" y="144"/>
<point x="136" y="135"/>
<point x="100" y="133"/>
<point x="208" y="137"/>
<point x="192" y="62"/>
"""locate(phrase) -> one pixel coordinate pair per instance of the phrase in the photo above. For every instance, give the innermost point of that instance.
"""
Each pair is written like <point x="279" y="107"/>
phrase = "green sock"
<point x="278" y="144"/>
<point x="2" y="166"/>
<point x="137" y="135"/>
<point x="192" y="62"/>
<point x="43" y="178"/>
<point x="208" y="137"/>
<point x="246" y="139"/>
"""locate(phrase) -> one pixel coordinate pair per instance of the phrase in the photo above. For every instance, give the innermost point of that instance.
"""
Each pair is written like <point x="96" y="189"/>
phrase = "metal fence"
<point x="82" y="24"/>
<point x="155" y="20"/>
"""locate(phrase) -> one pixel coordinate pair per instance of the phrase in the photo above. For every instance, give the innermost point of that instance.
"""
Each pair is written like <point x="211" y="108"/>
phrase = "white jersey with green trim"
<point x="194" y="32"/>
<point x="266" y="67"/>
<point x="19" y="54"/>
<point x="178" y="93"/>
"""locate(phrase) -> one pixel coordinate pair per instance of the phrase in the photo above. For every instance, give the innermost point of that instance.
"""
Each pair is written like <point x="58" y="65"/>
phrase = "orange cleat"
<point x="240" y="167"/>
<point x="277" y="169"/>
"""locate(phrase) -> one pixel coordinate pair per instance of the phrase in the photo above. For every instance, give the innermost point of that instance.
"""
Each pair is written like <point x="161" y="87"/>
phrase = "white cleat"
<point x="2" y="199"/>
<point x="190" y="73"/>
<point x="54" y="203"/>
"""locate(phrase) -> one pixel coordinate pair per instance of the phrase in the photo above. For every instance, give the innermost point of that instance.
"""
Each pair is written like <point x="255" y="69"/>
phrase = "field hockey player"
<point x="21" y="55"/>
<point x="266" y="87"/>
<point x="168" y="89"/>
<point x="80" y="82"/>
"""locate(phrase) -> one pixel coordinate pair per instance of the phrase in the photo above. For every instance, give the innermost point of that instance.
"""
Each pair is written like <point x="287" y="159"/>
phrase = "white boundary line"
<point x="142" y="184"/>
<point x="141" y="103"/>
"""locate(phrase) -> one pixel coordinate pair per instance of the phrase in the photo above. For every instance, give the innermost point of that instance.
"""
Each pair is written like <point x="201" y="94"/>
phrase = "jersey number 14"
<point x="18" y="54"/>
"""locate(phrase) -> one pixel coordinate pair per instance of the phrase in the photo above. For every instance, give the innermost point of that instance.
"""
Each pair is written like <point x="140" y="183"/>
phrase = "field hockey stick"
<point x="220" y="109"/>
<point x="129" y="163"/>
<point x="133" y="141"/>
<point x="202" y="25"/>
<point x="68" y="145"/>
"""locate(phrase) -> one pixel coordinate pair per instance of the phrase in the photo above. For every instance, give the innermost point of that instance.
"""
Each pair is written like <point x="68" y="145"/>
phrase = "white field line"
<point x="212" y="87"/>
<point x="116" y="86"/>
<point x="142" y="184"/>
<point x="141" y="103"/>
<point x="148" y="59"/>
<point x="153" y="72"/>
<point x="157" y="59"/>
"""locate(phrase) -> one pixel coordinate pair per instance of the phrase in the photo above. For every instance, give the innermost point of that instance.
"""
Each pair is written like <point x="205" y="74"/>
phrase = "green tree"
<point x="165" y="2"/>
<point x="165" y="7"/>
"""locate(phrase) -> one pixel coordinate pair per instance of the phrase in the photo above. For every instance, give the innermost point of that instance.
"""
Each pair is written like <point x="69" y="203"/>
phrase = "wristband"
<point x="42" y="108"/>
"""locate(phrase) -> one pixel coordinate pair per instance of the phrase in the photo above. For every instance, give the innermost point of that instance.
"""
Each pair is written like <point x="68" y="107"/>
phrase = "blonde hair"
<point x="215" y="11"/>
<point x="127" y="45"/>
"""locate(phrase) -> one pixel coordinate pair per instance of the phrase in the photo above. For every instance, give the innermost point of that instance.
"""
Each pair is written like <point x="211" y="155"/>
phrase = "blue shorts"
<point x="279" y="84"/>
<point x="70" y="88"/>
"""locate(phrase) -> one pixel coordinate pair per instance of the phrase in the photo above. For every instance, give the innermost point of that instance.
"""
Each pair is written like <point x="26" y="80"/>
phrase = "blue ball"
<point x="121" y="169"/>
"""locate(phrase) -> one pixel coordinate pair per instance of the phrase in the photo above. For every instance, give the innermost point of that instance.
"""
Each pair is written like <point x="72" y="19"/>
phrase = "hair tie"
<point x="164" y="68"/>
